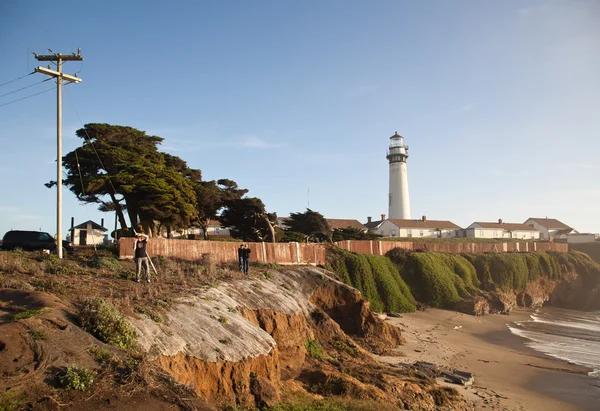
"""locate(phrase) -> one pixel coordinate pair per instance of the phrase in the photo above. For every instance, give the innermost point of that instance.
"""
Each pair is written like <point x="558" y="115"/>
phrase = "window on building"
<point x="393" y="232"/>
<point x="421" y="233"/>
<point x="217" y="229"/>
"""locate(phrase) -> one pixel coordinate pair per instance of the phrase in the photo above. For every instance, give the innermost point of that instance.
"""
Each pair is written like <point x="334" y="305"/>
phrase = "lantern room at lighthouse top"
<point x="397" y="152"/>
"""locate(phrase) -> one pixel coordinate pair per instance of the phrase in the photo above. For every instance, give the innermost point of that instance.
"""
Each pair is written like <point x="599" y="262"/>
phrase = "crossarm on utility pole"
<point x="53" y="73"/>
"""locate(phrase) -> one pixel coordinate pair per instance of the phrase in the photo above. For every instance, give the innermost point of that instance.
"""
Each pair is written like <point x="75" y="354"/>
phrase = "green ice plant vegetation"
<point x="393" y="283"/>
<point x="375" y="277"/>
<point x="103" y="320"/>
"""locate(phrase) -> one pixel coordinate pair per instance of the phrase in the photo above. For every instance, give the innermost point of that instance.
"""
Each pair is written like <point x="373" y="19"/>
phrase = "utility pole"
<point x="58" y="74"/>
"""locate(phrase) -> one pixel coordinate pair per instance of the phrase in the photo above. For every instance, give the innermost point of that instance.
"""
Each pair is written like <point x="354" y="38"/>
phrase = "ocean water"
<point x="573" y="336"/>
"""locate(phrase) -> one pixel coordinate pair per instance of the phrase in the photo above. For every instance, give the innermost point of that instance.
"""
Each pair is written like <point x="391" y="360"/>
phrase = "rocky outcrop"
<point x="491" y="299"/>
<point x="346" y="306"/>
<point x="477" y="306"/>
<point x="239" y="342"/>
<point x="290" y="331"/>
<point x="224" y="382"/>
<point x="223" y="341"/>
<point x="570" y="291"/>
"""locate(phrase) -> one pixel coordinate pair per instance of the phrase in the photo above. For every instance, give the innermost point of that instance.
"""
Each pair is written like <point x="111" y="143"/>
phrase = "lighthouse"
<point x="399" y="204"/>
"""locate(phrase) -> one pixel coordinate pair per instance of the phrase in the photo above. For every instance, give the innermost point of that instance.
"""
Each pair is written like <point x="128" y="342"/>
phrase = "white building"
<point x="89" y="233"/>
<point x="549" y="228"/>
<point x="501" y="230"/>
<point x="579" y="238"/>
<point x="399" y="204"/>
<point x="425" y="228"/>
<point x="373" y="226"/>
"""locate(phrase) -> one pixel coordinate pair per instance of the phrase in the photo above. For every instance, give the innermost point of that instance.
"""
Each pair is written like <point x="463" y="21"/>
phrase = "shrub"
<point x="375" y="277"/>
<point x="509" y="271"/>
<point x="77" y="378"/>
<point x="431" y="280"/>
<point x="12" y="400"/>
<point x="29" y="313"/>
<point x="100" y="354"/>
<point x="393" y="291"/>
<point x="163" y="302"/>
<point x="361" y="277"/>
<point x="38" y="335"/>
<point x="54" y="265"/>
<point x="314" y="349"/>
<point x="154" y="316"/>
<point x="108" y="263"/>
<point x="11" y="262"/>
<point x="49" y="284"/>
<point x="105" y="322"/>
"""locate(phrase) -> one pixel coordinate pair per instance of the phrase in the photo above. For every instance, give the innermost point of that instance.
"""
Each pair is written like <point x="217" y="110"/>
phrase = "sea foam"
<point x="548" y="332"/>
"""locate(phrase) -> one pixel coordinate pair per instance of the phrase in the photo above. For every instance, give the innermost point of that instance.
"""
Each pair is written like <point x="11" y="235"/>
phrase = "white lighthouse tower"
<point x="399" y="204"/>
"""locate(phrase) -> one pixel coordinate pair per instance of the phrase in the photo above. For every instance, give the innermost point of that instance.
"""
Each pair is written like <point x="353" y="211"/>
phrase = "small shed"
<point x="89" y="233"/>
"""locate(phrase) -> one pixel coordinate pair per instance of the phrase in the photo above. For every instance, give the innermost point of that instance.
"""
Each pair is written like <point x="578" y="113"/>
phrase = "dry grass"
<point x="85" y="275"/>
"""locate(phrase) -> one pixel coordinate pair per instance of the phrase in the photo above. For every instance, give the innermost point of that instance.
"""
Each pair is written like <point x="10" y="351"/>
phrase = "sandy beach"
<point x="508" y="374"/>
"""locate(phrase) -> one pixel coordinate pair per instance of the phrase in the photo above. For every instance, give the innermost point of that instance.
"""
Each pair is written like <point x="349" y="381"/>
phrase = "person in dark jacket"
<point x="141" y="256"/>
<point x="241" y="257"/>
<point x="246" y="253"/>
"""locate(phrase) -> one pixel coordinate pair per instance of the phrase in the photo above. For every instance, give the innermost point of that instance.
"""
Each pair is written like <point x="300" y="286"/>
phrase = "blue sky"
<point x="498" y="101"/>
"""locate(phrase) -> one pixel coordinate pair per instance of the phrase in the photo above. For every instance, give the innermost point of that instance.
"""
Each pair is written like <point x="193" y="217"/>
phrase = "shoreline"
<point x="508" y="374"/>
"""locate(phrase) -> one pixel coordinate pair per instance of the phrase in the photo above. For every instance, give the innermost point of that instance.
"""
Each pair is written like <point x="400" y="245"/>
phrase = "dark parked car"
<point x="30" y="241"/>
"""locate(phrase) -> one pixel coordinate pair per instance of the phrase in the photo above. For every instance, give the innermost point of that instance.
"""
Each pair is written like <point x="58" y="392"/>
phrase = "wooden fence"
<point x="382" y="247"/>
<point x="314" y="253"/>
<point x="273" y="253"/>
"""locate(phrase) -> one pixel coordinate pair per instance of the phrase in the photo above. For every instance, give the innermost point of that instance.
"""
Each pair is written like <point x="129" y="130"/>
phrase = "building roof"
<point x="95" y="226"/>
<point x="336" y="223"/>
<point x="373" y="224"/>
<point x="506" y="226"/>
<point x="441" y="224"/>
<point x="550" y="223"/>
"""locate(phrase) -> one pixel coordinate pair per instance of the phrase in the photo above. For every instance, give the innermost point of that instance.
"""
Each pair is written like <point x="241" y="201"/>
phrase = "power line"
<point x="26" y="97"/>
<point x="23" y="88"/>
<point x="89" y="140"/>
<point x="17" y="79"/>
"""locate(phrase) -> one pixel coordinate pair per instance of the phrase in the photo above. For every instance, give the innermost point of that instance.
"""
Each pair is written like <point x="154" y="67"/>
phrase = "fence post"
<point x="298" y="256"/>
<point x="264" y="252"/>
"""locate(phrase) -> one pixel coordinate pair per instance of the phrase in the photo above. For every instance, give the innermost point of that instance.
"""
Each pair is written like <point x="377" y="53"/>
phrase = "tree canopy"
<point x="350" y="233"/>
<point x="121" y="169"/>
<point x="249" y="220"/>
<point x="309" y="223"/>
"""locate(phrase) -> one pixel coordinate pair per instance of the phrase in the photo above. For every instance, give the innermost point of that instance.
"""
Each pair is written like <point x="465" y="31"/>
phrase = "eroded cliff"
<point x="241" y="341"/>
